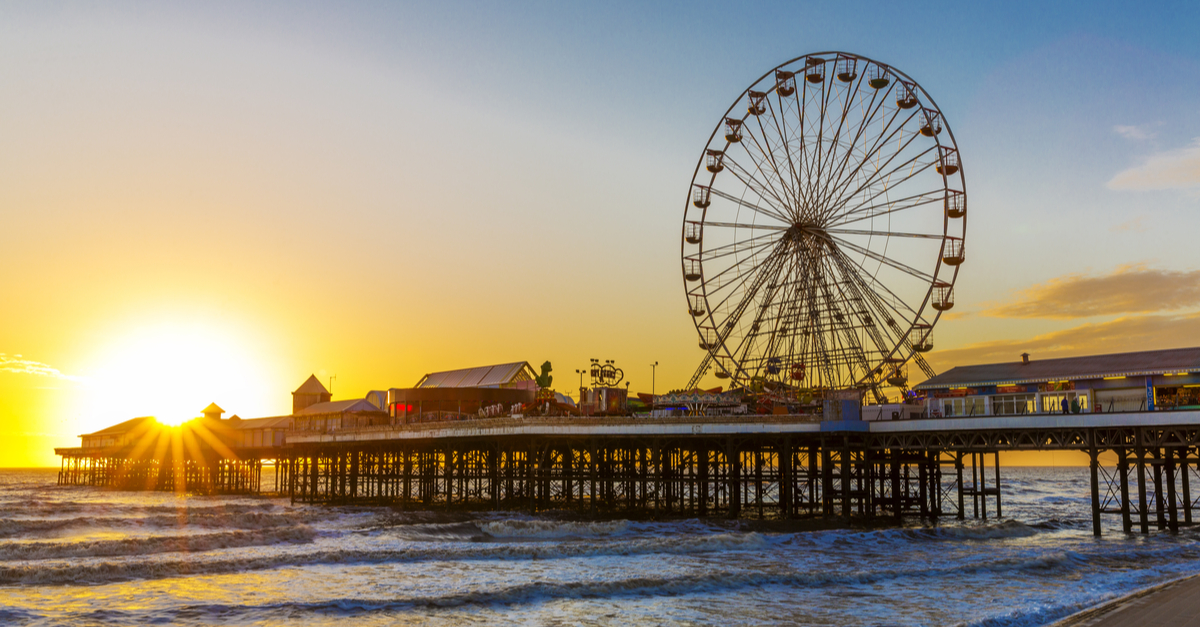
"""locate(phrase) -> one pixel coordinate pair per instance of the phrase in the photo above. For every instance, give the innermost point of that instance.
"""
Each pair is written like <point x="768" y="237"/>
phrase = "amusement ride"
<point x="823" y="232"/>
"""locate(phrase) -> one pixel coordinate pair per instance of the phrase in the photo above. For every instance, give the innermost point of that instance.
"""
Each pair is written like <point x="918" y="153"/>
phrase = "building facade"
<point x="1123" y="382"/>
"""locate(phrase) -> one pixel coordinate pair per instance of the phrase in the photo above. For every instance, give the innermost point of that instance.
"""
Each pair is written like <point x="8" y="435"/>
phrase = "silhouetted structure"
<point x="309" y="393"/>
<point x="202" y="455"/>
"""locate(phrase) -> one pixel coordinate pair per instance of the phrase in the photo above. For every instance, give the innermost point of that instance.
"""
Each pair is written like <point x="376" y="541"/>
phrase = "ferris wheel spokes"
<point x="925" y="198"/>
<point x="874" y="177"/>
<point x="860" y="179"/>
<point x="842" y="179"/>
<point x="778" y="206"/>
<point x="903" y="267"/>
<point x="757" y="209"/>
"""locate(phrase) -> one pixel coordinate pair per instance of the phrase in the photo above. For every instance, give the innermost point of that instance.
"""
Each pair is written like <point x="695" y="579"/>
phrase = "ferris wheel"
<point x="824" y="228"/>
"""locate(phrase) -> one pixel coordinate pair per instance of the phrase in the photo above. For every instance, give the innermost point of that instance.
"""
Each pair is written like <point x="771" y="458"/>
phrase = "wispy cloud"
<point x="1130" y="226"/>
<point x="1173" y="169"/>
<point x="19" y="365"/>
<point x="1136" y="133"/>
<point x="1127" y="290"/>
<point x="1127" y="334"/>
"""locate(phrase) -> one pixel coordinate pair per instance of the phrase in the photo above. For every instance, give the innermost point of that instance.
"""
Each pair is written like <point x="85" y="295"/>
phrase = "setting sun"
<point x="172" y="372"/>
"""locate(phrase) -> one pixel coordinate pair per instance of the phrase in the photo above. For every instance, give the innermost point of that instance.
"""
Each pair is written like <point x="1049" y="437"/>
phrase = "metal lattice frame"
<point x="824" y="228"/>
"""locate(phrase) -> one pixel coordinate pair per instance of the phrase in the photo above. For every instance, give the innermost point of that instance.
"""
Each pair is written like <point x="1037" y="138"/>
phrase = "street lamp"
<point x="653" y="374"/>
<point x="580" y="373"/>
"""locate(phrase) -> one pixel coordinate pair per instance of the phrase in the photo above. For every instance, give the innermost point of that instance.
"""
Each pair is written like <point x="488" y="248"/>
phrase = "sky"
<point x="208" y="202"/>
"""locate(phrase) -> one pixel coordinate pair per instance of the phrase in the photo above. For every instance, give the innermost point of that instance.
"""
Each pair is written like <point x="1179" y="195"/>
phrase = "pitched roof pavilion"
<point x="499" y="375"/>
<point x="1138" y="364"/>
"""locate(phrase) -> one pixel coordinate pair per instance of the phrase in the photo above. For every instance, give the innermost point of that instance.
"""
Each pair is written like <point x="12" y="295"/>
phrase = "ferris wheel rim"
<point x="937" y="277"/>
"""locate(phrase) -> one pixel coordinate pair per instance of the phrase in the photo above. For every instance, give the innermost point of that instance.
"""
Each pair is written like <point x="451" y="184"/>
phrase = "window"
<point x="1014" y="404"/>
<point x="969" y="406"/>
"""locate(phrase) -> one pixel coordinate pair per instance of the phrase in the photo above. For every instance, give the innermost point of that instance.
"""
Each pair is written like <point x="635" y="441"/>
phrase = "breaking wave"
<point x="159" y="544"/>
<point x="52" y="573"/>
<point x="552" y="529"/>
<point x="182" y="520"/>
<point x="708" y="582"/>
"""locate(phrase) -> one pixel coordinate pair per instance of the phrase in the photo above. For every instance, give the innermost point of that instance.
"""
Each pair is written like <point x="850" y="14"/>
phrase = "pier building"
<point x="1123" y="382"/>
<point x="205" y="454"/>
<point x="464" y="393"/>
<point x="309" y="393"/>
<point x="334" y="415"/>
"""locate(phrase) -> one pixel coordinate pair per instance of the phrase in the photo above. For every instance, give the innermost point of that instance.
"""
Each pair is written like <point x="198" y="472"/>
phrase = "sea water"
<point x="86" y="556"/>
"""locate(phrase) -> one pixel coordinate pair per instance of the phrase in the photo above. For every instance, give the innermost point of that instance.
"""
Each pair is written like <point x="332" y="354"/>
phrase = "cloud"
<point x="1130" y="226"/>
<point x="1129" y="289"/>
<point x="19" y="365"/>
<point x="1134" y="333"/>
<point x="1174" y="169"/>
<point x="1137" y="133"/>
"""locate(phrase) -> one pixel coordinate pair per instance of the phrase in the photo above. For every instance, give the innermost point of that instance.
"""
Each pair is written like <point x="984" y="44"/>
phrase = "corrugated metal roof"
<point x="472" y="377"/>
<point x="1143" y="363"/>
<point x="454" y="379"/>
<point x="479" y="377"/>
<point x="337" y="407"/>
<point x="271" y="422"/>
<point x="432" y="380"/>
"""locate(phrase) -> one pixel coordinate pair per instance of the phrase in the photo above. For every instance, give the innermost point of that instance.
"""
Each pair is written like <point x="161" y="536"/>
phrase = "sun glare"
<point x="172" y="373"/>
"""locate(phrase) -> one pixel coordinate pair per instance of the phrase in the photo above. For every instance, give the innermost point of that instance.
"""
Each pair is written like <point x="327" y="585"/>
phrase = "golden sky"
<point x="209" y="204"/>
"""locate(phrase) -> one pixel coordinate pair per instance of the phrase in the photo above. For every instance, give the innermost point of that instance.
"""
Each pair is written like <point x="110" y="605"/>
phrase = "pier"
<point x="780" y="467"/>
<point x="204" y="456"/>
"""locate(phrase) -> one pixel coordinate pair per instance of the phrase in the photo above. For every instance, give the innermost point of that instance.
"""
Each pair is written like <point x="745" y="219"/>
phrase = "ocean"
<point x="85" y="556"/>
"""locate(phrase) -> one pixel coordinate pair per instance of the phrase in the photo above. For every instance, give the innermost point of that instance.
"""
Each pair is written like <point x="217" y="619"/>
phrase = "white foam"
<point x="552" y="529"/>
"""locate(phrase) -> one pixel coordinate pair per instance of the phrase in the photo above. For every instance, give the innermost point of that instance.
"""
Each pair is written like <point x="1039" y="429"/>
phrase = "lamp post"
<point x="580" y="373"/>
<point x="653" y="374"/>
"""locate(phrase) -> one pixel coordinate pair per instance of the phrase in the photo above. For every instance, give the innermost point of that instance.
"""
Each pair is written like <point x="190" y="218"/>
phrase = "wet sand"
<point x="1175" y="603"/>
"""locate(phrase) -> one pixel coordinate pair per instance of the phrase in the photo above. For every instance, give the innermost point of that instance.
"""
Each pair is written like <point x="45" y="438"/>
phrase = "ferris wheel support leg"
<point x="879" y="397"/>
<point x="703" y="368"/>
